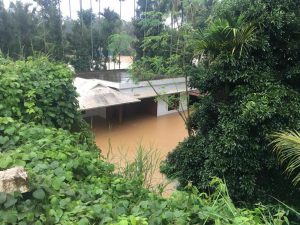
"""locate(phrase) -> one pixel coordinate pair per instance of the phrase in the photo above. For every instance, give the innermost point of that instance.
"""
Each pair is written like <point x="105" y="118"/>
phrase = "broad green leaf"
<point x="10" y="130"/>
<point x="3" y="140"/>
<point x="83" y="221"/>
<point x="39" y="194"/>
<point x="10" y="201"/>
<point x="2" y="197"/>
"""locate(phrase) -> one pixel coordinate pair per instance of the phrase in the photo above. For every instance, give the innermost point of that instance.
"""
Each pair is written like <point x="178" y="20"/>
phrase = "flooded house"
<point x="113" y="95"/>
<point x="125" y="115"/>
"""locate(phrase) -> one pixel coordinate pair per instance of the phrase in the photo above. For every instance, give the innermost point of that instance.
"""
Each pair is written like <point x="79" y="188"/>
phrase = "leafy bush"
<point x="70" y="184"/>
<point x="40" y="91"/>
<point x="249" y="96"/>
<point x="68" y="181"/>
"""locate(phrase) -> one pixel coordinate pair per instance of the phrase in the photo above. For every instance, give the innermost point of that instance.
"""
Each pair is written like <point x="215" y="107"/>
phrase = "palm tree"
<point x="287" y="147"/>
<point x="236" y="37"/>
<point x="91" y="26"/>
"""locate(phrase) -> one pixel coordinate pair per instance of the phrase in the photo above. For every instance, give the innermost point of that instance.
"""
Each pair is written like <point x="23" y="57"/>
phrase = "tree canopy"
<point x="248" y="72"/>
<point x="28" y="31"/>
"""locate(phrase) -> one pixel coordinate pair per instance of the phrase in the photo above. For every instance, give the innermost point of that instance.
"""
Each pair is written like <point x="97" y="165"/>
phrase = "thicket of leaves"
<point x="28" y="29"/>
<point x="249" y="71"/>
<point x="71" y="184"/>
<point x="40" y="91"/>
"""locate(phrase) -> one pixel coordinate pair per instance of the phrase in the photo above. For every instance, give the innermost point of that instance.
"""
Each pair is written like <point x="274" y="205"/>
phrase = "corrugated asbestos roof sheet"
<point x="93" y="95"/>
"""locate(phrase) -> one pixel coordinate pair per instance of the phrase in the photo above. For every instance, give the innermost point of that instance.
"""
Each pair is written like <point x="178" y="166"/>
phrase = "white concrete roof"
<point x="93" y="95"/>
<point x="148" y="93"/>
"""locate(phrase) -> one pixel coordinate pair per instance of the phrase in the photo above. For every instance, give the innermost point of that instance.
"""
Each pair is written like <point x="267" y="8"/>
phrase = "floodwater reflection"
<point x="121" y="141"/>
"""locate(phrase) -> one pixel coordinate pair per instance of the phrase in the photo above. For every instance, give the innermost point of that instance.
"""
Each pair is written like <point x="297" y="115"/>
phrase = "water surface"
<point x="120" y="141"/>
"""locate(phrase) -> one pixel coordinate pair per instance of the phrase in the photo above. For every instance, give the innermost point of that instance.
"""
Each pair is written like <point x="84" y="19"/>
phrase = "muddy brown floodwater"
<point x="121" y="141"/>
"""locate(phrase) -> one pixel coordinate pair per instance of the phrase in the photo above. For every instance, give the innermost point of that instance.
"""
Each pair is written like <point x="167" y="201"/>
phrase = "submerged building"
<point x="113" y="95"/>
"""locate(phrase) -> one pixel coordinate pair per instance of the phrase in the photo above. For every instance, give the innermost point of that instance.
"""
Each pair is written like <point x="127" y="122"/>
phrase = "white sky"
<point x="127" y="7"/>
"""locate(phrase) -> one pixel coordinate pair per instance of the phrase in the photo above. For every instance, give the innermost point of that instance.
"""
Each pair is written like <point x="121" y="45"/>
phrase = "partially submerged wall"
<point x="164" y="109"/>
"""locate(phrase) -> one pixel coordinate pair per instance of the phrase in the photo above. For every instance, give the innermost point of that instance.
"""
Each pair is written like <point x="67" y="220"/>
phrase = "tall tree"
<point x="134" y="9"/>
<point x="80" y="38"/>
<point x="110" y="24"/>
<point x="91" y="29"/>
<point x="18" y="26"/>
<point x="120" y="43"/>
<point x="70" y="9"/>
<point x="52" y="22"/>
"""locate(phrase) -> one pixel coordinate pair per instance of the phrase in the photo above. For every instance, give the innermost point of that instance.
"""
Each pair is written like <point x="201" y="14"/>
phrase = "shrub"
<point x="68" y="181"/>
<point x="40" y="91"/>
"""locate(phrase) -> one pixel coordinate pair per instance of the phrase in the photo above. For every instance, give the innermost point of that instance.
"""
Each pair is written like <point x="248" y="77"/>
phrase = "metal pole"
<point x="120" y="10"/>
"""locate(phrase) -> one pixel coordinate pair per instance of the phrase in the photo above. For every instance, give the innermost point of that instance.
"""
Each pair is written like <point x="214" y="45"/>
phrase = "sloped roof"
<point x="93" y="95"/>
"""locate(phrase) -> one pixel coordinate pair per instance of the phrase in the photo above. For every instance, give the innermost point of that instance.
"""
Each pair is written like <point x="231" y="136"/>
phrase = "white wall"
<point x="162" y="106"/>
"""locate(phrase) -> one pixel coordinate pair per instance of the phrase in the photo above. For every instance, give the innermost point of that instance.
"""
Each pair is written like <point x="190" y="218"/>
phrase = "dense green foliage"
<point x="17" y="30"/>
<point x="29" y="29"/>
<point x="70" y="184"/>
<point x="249" y="71"/>
<point x="79" y="37"/>
<point x="40" y="91"/>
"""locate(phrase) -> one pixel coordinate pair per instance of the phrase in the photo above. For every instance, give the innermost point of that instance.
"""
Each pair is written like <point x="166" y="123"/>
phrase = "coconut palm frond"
<point x="237" y="37"/>
<point x="287" y="147"/>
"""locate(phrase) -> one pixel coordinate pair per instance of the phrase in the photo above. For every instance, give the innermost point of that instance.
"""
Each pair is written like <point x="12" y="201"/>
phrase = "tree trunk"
<point x="61" y="31"/>
<point x="134" y="8"/>
<point x="81" y="25"/>
<point x="92" y="40"/>
<point x="120" y="10"/>
<point x="99" y="9"/>
<point x="182" y="12"/>
<point x="81" y="19"/>
<point x="44" y="29"/>
<point x="70" y="10"/>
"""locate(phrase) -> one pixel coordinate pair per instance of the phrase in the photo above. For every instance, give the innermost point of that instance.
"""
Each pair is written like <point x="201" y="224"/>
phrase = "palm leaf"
<point x="287" y="147"/>
<point x="227" y="35"/>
